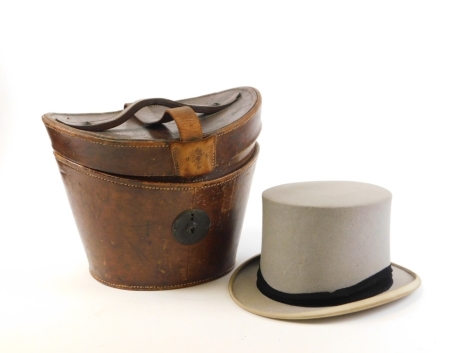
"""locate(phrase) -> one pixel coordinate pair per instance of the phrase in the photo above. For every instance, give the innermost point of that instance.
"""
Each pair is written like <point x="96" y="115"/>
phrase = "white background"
<point x="368" y="91"/>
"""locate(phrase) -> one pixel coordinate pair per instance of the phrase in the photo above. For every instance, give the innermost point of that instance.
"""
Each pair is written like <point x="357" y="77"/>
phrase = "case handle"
<point x="187" y="122"/>
<point x="131" y="109"/>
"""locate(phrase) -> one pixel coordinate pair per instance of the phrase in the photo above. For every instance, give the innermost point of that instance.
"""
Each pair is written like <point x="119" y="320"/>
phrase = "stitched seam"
<point x="207" y="95"/>
<point x="235" y="128"/>
<point x="133" y="146"/>
<point x="213" y="152"/>
<point x="248" y="156"/>
<point x="239" y="124"/>
<point x="161" y="287"/>
<point x="104" y="144"/>
<point x="87" y="114"/>
<point x="175" y="160"/>
<point x="157" y="188"/>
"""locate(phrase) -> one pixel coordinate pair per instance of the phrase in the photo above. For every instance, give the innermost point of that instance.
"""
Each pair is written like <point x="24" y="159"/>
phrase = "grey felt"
<point x="324" y="236"/>
<point x="244" y="292"/>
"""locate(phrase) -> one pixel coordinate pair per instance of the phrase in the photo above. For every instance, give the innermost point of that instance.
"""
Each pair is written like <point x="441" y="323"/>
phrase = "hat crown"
<point x="324" y="236"/>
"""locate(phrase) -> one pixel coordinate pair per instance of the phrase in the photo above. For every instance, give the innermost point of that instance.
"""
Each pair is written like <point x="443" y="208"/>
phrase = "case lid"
<point x="202" y="137"/>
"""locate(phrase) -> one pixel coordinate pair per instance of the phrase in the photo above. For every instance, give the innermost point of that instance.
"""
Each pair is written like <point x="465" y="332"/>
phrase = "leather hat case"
<point x="159" y="189"/>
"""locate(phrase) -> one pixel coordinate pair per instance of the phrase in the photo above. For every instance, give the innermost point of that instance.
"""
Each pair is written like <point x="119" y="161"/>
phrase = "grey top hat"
<point x="325" y="252"/>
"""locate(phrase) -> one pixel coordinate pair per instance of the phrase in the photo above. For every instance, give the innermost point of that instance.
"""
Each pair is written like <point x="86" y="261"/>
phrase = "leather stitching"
<point x="175" y="160"/>
<point x="213" y="152"/>
<point x="104" y="144"/>
<point x="132" y="146"/>
<point x="234" y="128"/>
<point x="165" y="145"/>
<point x="157" y="188"/>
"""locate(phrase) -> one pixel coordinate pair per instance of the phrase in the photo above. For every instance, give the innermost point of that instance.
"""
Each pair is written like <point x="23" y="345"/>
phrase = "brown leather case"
<point x="159" y="189"/>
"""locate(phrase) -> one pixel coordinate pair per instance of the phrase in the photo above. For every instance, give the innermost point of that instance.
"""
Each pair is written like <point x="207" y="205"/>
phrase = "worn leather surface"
<point x="194" y="158"/>
<point x="100" y="122"/>
<point x="127" y="185"/>
<point x="126" y="225"/>
<point x="189" y="127"/>
<point x="137" y="149"/>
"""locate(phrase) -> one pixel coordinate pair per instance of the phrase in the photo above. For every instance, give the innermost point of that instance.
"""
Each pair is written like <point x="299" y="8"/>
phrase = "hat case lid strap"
<point x="131" y="109"/>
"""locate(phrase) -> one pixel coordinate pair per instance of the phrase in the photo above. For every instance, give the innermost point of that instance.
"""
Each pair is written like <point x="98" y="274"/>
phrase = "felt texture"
<point x="324" y="236"/>
<point x="245" y="293"/>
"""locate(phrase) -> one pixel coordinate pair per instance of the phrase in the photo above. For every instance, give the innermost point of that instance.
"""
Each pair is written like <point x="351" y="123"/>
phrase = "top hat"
<point x="325" y="252"/>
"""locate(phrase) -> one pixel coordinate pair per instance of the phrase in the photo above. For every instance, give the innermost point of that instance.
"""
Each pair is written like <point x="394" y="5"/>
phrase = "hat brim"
<point x="245" y="293"/>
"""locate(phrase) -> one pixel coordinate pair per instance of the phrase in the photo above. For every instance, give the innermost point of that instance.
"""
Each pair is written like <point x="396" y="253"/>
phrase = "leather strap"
<point x="131" y="109"/>
<point x="187" y="122"/>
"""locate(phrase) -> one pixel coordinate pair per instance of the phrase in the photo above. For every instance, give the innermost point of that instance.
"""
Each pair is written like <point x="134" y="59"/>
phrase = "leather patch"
<point x="193" y="158"/>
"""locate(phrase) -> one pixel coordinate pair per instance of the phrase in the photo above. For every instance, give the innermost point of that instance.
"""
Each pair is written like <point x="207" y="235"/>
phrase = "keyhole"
<point x="191" y="226"/>
<point x="192" y="229"/>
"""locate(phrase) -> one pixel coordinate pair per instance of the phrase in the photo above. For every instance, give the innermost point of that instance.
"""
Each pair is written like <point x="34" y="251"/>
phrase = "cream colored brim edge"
<point x="245" y="293"/>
